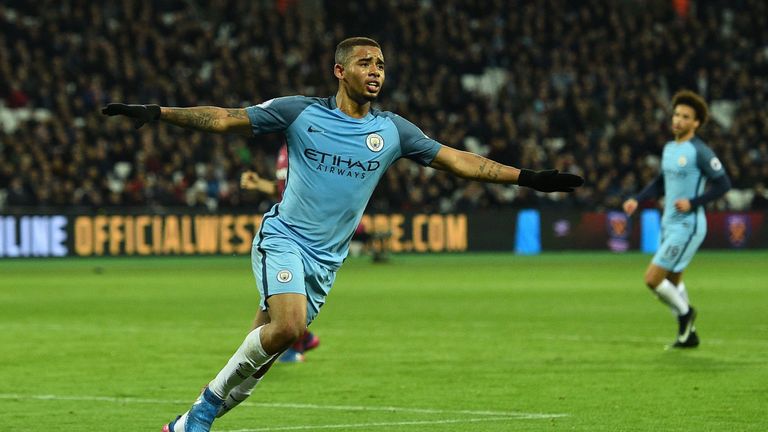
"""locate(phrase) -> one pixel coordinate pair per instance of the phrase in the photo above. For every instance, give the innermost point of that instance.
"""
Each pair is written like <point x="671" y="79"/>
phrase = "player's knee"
<point x="286" y="333"/>
<point x="652" y="280"/>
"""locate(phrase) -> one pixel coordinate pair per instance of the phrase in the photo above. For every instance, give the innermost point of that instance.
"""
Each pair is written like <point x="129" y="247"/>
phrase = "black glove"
<point x="139" y="113"/>
<point x="549" y="180"/>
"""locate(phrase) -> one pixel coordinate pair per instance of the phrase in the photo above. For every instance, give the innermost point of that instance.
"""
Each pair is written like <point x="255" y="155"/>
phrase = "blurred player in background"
<point x="250" y="180"/>
<point x="338" y="150"/>
<point x="686" y="165"/>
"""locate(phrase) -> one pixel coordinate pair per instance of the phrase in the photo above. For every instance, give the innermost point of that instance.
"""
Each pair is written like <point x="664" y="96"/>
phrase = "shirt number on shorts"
<point x="672" y="252"/>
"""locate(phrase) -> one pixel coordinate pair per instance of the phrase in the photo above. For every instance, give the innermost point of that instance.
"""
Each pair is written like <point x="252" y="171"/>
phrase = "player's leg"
<point x="287" y="314"/>
<point x="686" y="330"/>
<point x="660" y="280"/>
<point x="317" y="282"/>
<point x="309" y="341"/>
<point x="242" y="391"/>
<point x="280" y="277"/>
<point x="674" y="254"/>
<point x="692" y="339"/>
<point x="656" y="279"/>
<point x="687" y="336"/>
<point x="235" y="395"/>
<point x="288" y="320"/>
<point x="295" y="354"/>
<point x="677" y="279"/>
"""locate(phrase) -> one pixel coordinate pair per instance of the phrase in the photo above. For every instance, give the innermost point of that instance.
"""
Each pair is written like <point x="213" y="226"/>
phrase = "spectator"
<point x="588" y="82"/>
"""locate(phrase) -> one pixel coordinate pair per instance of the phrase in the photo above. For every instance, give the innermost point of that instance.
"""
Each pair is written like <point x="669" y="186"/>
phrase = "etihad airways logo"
<point x="341" y="165"/>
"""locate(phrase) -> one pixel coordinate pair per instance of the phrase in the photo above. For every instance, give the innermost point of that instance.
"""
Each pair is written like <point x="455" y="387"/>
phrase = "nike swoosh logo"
<point x="312" y="129"/>
<point x="688" y="330"/>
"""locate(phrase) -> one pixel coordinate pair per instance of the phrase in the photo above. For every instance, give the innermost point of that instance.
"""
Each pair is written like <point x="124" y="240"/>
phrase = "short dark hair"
<point x="693" y="100"/>
<point x="344" y="48"/>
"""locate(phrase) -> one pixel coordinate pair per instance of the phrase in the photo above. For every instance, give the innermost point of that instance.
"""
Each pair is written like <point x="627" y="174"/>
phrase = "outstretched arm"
<point x="209" y="119"/>
<point x="475" y="167"/>
<point x="204" y="118"/>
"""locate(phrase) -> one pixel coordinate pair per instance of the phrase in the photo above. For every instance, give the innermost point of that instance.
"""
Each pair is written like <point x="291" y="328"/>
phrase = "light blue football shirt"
<point x="686" y="166"/>
<point x="334" y="164"/>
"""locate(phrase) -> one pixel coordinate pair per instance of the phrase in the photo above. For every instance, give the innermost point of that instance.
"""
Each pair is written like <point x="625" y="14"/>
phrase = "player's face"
<point x="363" y="74"/>
<point x="684" y="121"/>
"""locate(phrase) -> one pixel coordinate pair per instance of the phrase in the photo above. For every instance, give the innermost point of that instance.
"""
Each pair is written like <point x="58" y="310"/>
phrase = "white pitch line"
<point x="378" y="424"/>
<point x="130" y="400"/>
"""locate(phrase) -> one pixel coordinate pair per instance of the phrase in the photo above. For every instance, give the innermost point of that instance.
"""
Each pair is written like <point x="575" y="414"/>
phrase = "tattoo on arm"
<point x="481" y="168"/>
<point x="487" y="170"/>
<point x="494" y="171"/>
<point x="205" y="118"/>
<point x="199" y="118"/>
<point x="472" y="166"/>
<point x="237" y="114"/>
<point x="202" y="121"/>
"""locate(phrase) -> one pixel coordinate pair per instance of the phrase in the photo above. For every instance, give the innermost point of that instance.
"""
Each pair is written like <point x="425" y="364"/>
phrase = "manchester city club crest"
<point x="284" y="276"/>
<point x="374" y="142"/>
<point x="682" y="161"/>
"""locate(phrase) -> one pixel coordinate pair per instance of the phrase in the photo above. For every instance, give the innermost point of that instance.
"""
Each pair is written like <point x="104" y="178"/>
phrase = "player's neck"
<point x="350" y="107"/>
<point x="684" y="137"/>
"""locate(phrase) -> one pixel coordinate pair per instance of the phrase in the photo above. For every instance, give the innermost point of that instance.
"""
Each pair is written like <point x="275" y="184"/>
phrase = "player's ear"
<point x="338" y="70"/>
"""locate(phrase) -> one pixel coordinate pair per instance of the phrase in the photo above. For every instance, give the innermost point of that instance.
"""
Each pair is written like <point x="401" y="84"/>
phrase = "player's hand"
<point x="630" y="206"/>
<point x="549" y="180"/>
<point x="140" y="114"/>
<point x="683" y="205"/>
<point x="249" y="180"/>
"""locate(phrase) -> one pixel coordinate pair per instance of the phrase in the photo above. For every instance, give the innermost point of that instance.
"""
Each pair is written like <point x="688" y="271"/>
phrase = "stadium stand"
<point x="579" y="85"/>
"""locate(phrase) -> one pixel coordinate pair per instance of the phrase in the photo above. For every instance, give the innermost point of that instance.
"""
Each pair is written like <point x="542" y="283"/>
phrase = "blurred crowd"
<point x="582" y="86"/>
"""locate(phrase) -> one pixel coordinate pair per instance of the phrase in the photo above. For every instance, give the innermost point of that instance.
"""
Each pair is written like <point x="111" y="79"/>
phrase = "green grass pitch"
<point x="471" y="342"/>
